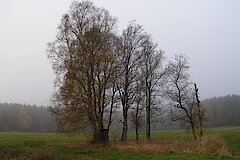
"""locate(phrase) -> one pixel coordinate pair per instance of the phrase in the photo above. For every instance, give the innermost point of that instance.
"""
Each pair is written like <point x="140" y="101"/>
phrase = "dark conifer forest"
<point x="223" y="111"/>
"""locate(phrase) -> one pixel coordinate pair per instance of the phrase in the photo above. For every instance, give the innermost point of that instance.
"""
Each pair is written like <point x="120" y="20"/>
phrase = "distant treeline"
<point x="25" y="118"/>
<point x="221" y="111"/>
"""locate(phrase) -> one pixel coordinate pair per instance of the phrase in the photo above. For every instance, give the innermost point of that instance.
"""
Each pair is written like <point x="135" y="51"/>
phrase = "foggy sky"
<point x="208" y="32"/>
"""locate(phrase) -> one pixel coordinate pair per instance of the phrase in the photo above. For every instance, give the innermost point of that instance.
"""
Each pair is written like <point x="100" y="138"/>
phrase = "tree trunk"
<point x="148" y="127"/>
<point x="193" y="131"/>
<point x="125" y="126"/>
<point x="96" y="136"/>
<point x="148" y="113"/>
<point x="137" y="121"/>
<point x="200" y="118"/>
<point x="136" y="130"/>
<point x="111" y="109"/>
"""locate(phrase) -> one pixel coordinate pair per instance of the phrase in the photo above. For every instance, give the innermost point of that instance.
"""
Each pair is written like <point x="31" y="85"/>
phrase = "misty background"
<point x="221" y="111"/>
<point x="206" y="31"/>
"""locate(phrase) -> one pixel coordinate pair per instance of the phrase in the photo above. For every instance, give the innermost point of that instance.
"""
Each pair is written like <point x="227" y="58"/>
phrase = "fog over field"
<point x="206" y="31"/>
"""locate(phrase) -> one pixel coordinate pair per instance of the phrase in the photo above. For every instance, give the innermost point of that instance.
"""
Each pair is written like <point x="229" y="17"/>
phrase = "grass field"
<point x="46" y="146"/>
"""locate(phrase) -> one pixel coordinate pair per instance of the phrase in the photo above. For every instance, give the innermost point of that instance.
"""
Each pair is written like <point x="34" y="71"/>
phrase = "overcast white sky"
<point x="207" y="31"/>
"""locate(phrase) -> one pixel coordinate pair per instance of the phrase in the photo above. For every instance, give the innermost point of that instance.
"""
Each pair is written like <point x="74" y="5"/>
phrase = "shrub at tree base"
<point x="213" y="146"/>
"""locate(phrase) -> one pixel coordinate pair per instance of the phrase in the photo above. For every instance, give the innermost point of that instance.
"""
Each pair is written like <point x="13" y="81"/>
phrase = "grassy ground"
<point x="21" y="146"/>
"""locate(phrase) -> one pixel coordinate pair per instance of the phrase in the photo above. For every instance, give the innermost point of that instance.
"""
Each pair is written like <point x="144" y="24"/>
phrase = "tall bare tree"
<point x="130" y="59"/>
<point x="152" y="73"/>
<point x="181" y="94"/>
<point x="82" y="56"/>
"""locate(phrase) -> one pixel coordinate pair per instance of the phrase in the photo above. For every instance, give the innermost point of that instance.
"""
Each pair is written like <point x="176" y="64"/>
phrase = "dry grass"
<point x="7" y="154"/>
<point x="213" y="146"/>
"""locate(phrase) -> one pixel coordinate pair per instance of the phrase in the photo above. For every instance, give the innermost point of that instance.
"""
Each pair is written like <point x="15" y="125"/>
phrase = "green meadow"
<point x="49" y="146"/>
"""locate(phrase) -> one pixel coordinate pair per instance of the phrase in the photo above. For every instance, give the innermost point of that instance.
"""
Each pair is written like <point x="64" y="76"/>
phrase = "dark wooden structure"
<point x="104" y="136"/>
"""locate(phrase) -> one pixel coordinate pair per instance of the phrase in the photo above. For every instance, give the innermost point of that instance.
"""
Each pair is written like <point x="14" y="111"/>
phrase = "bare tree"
<point x="82" y="56"/>
<point x="152" y="72"/>
<point x="201" y="112"/>
<point x="113" y="97"/>
<point x="136" y="114"/>
<point x="130" y="60"/>
<point x="181" y="94"/>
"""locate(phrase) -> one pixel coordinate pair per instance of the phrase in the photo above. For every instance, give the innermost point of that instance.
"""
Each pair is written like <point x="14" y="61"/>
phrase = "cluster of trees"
<point x="99" y="72"/>
<point x="25" y="118"/>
